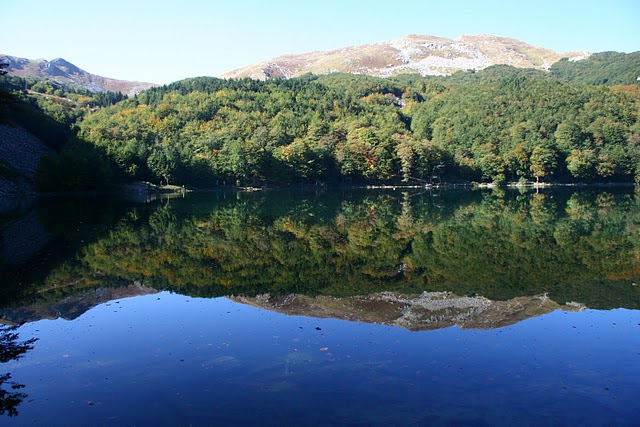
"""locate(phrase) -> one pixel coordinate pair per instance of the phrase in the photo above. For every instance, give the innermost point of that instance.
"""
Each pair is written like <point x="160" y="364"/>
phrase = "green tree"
<point x="163" y="162"/>
<point x="405" y="154"/>
<point x="567" y="135"/>
<point x="517" y="162"/>
<point x="543" y="162"/>
<point x="493" y="167"/>
<point x="582" y="163"/>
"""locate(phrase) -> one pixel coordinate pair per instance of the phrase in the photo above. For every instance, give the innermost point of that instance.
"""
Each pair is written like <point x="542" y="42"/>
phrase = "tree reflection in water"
<point x="11" y="348"/>
<point x="574" y="245"/>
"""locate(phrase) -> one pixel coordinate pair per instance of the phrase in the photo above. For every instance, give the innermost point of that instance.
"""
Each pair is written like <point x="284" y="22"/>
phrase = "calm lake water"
<point x="336" y="307"/>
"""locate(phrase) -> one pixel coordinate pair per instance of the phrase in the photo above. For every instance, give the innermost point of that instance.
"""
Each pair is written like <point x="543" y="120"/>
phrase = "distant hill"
<point x="62" y="71"/>
<point x="427" y="55"/>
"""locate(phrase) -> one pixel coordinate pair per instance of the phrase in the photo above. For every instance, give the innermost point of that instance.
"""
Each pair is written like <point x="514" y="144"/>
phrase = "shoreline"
<point x="142" y="189"/>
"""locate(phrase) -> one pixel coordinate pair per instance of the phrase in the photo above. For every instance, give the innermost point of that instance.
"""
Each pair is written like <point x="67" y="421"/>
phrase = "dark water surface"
<point x="323" y="308"/>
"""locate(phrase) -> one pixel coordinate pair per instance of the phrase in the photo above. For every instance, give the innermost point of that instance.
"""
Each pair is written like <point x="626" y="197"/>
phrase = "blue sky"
<point x="163" y="41"/>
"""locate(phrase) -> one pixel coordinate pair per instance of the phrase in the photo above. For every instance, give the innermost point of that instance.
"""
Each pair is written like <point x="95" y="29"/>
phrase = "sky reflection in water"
<point x="167" y="359"/>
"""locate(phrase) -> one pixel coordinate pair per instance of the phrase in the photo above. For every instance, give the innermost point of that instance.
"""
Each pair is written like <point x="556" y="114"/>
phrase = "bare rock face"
<point x="20" y="153"/>
<point x="426" y="55"/>
<point x="430" y="310"/>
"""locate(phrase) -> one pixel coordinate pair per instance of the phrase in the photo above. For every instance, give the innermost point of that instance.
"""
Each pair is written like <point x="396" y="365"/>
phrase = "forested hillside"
<point x="501" y="124"/>
<point x="610" y="68"/>
<point x="49" y="111"/>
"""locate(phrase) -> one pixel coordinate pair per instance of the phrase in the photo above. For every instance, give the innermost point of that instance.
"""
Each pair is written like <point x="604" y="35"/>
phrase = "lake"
<point x="328" y="307"/>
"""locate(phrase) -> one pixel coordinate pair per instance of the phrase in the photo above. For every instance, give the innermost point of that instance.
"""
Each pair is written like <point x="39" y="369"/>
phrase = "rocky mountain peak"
<point x="414" y="53"/>
<point x="66" y="66"/>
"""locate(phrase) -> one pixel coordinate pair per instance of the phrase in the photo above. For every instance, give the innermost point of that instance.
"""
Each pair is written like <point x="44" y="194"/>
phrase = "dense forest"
<point x="606" y="68"/>
<point x="498" y="125"/>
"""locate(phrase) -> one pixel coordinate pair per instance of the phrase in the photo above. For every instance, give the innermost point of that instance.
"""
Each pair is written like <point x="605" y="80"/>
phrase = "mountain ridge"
<point x="64" y="72"/>
<point x="415" y="53"/>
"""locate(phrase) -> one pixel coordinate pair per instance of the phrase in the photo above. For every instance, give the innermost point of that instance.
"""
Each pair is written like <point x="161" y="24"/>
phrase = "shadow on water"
<point x="39" y="236"/>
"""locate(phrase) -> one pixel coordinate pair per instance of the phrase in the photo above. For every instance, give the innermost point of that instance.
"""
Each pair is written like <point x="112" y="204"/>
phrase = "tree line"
<point x="499" y="125"/>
